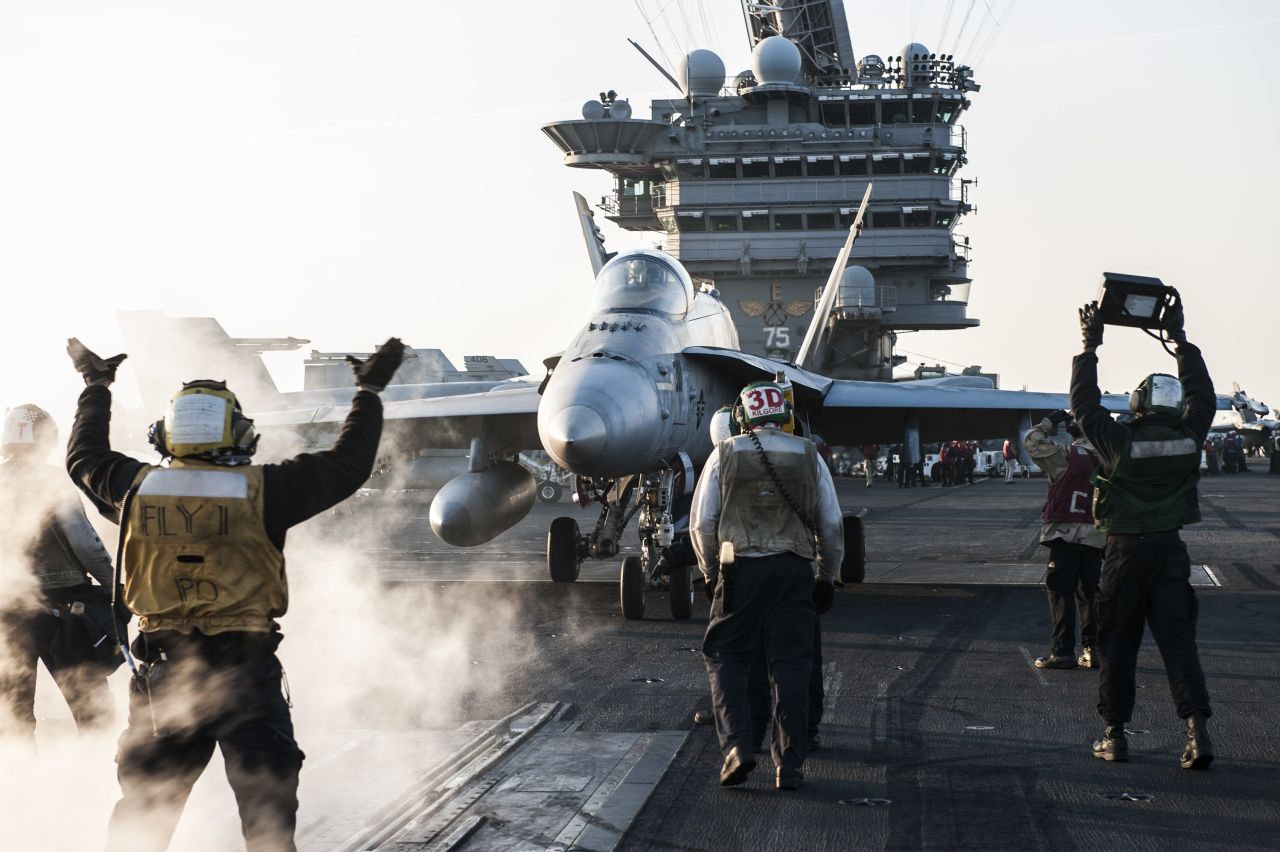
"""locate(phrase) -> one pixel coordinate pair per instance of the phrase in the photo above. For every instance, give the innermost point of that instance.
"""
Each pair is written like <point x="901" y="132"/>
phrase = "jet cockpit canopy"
<point x="642" y="281"/>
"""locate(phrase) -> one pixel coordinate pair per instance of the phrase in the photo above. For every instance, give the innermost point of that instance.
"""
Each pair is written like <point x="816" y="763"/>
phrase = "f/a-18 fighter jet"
<point x="1245" y="415"/>
<point x="625" y="408"/>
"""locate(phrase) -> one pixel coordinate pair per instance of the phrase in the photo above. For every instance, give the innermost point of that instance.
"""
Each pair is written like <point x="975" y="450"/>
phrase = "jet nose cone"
<point x="575" y="435"/>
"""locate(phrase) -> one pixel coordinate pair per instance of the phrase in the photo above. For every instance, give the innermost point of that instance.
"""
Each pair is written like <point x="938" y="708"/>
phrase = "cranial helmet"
<point x="1158" y="392"/>
<point x="764" y="402"/>
<point x="204" y="421"/>
<point x="28" y="430"/>
<point x="722" y="425"/>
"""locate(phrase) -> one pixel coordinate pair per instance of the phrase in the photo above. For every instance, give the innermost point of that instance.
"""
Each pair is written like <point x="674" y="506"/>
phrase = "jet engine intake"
<point x="477" y="507"/>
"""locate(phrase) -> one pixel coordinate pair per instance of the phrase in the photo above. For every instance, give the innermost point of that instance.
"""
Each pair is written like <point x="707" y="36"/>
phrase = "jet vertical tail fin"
<point x="814" y="338"/>
<point x="167" y="351"/>
<point x="591" y="235"/>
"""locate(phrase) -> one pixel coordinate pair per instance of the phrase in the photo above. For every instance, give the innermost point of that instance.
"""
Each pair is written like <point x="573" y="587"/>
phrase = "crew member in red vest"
<point x="1075" y="544"/>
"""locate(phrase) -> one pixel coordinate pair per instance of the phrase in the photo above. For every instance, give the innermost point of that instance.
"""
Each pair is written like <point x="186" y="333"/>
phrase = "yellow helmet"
<point x="204" y="420"/>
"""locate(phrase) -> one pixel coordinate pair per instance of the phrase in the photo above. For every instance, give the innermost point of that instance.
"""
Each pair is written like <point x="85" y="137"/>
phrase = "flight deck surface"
<point x="938" y="733"/>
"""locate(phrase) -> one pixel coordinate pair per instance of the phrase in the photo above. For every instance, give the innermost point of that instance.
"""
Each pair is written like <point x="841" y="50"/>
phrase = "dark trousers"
<point x="1072" y="582"/>
<point x="206" y="694"/>
<point x="1145" y="578"/>
<point x="63" y="645"/>
<point x="762" y="605"/>
<point x="762" y="693"/>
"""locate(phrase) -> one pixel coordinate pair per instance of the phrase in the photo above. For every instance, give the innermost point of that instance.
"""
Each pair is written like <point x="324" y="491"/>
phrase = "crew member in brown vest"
<point x="203" y="569"/>
<point x="1075" y="545"/>
<point x="764" y="508"/>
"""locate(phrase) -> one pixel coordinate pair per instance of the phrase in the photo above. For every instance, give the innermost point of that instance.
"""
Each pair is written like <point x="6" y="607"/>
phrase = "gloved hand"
<point x="1059" y="416"/>
<point x="1091" y="326"/>
<point x="1172" y="322"/>
<point x="376" y="371"/>
<point x="824" y="595"/>
<point x="95" y="369"/>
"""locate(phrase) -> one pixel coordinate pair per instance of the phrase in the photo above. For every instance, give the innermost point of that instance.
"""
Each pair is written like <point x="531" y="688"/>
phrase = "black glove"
<point x="1059" y="416"/>
<point x="710" y="590"/>
<point x="375" y="372"/>
<point x="1091" y="326"/>
<point x="95" y="369"/>
<point x="1172" y="322"/>
<point x="824" y="595"/>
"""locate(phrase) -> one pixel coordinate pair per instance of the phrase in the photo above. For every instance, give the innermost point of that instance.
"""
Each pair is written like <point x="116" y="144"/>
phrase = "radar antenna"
<point x="818" y="28"/>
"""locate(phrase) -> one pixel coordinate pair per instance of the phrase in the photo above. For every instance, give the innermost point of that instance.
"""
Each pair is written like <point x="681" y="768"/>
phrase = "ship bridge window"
<point x="786" y="167"/>
<point x="723" y="168"/>
<point x="943" y="111"/>
<point x="922" y="111"/>
<point x="832" y="113"/>
<point x="755" y="167"/>
<point x="690" y="220"/>
<point x="915" y="217"/>
<point x="786" y="222"/>
<point x="862" y="113"/>
<point x="721" y="222"/>
<point x="886" y="164"/>
<point x="821" y="166"/>
<point x="689" y="169"/>
<point x="846" y="217"/>
<point x="944" y="290"/>
<point x="945" y="165"/>
<point x="635" y="187"/>
<point x="640" y="284"/>
<point x="895" y="111"/>
<point x="886" y="219"/>
<point x="755" y="220"/>
<point x="916" y="164"/>
<point x="853" y="165"/>
<point x="943" y="218"/>
<point x="821" y="221"/>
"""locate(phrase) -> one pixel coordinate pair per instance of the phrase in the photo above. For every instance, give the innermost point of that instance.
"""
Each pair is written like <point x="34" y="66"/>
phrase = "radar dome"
<point x="701" y="74"/>
<point x="620" y="110"/>
<point x="916" y="51"/>
<point x="592" y="110"/>
<point x="857" y="276"/>
<point x="775" y="60"/>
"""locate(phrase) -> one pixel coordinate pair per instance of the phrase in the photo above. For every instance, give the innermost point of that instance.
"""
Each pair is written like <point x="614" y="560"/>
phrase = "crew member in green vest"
<point x="1145" y="491"/>
<point x="204" y="570"/>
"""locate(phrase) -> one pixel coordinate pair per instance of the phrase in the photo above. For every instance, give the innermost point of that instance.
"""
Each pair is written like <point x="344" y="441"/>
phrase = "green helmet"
<point x="1158" y="392"/>
<point x="764" y="402"/>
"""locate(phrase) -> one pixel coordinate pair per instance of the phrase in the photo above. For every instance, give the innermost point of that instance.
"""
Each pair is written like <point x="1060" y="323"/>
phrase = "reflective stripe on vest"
<point x="1160" y="449"/>
<point x="196" y="552"/>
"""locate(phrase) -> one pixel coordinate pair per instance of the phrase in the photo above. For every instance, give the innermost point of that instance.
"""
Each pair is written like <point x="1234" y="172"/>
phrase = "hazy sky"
<point x="347" y="171"/>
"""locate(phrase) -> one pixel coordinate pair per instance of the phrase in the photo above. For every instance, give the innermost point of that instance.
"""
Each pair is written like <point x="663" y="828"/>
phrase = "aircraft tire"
<point x="548" y="491"/>
<point x="631" y="587"/>
<point x="853" y="569"/>
<point x="682" y="593"/>
<point x="562" y="550"/>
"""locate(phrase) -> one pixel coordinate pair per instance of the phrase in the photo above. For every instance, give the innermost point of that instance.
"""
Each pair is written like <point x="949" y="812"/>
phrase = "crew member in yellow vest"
<point x="763" y="510"/>
<point x="203" y="569"/>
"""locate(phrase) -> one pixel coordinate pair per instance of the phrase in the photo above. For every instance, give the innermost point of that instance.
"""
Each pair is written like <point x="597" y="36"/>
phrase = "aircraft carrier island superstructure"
<point x="755" y="179"/>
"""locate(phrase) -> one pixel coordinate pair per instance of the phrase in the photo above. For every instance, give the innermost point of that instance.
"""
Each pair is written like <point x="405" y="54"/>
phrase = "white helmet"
<point x="722" y="425"/>
<point x="28" y="429"/>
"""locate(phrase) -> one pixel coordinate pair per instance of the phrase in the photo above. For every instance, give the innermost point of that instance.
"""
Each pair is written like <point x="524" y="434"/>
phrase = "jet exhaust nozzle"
<point x="477" y="507"/>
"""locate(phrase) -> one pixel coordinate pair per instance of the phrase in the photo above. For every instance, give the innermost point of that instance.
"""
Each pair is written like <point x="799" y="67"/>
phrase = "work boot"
<point x="1199" y="751"/>
<point x="815" y="742"/>
<point x="704" y="717"/>
<point x="1085" y="661"/>
<point x="738" y="764"/>
<point x="789" y="779"/>
<point x="1054" y="661"/>
<point x="1113" y="746"/>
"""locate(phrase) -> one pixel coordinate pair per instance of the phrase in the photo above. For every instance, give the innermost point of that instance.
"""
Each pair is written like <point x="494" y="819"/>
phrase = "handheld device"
<point x="1137" y="301"/>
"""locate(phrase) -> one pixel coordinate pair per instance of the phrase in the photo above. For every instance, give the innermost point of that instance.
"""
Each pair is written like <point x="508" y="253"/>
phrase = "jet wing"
<point x="876" y="412"/>
<point x="449" y="422"/>
<point x="745" y="368"/>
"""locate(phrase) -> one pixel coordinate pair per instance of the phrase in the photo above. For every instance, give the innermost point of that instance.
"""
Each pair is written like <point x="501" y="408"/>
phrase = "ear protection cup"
<point x="1138" y="397"/>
